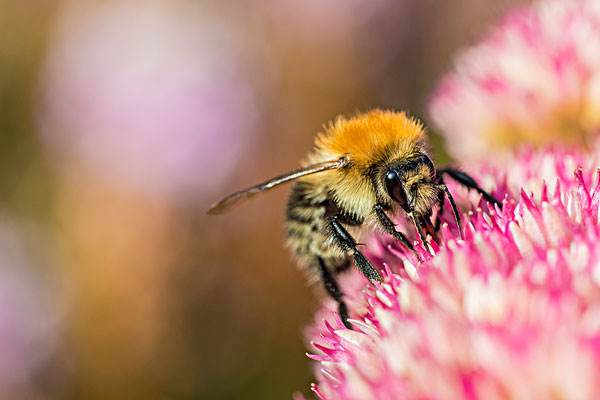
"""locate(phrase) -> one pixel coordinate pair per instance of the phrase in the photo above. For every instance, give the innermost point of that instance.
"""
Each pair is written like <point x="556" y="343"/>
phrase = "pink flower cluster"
<point x="535" y="78"/>
<point x="509" y="308"/>
<point x="512" y="311"/>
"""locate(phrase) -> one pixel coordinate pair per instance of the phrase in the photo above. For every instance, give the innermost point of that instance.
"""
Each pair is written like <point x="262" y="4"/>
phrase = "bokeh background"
<point x="122" y="121"/>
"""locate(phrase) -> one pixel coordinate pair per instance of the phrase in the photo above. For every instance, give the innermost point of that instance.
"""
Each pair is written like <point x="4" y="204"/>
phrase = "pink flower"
<point x="534" y="78"/>
<point x="510" y="312"/>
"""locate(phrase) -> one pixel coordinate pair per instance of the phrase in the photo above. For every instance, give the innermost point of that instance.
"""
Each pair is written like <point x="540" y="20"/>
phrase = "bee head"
<point x="405" y="181"/>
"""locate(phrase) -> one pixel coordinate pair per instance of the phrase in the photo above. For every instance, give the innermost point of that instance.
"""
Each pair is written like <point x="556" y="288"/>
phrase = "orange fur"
<point x="366" y="137"/>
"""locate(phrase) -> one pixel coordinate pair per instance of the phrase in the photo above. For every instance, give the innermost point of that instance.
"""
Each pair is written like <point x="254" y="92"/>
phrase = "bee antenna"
<point x="454" y="209"/>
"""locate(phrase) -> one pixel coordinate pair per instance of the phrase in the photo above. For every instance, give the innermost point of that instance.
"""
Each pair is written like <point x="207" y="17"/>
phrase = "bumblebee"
<point x="361" y="171"/>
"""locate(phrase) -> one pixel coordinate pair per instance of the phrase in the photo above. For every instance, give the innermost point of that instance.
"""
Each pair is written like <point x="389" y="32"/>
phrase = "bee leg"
<point x="347" y="243"/>
<point x="468" y="182"/>
<point x="428" y="227"/>
<point x="419" y="229"/>
<point x="389" y="227"/>
<point x="438" y="217"/>
<point x="454" y="208"/>
<point x="334" y="291"/>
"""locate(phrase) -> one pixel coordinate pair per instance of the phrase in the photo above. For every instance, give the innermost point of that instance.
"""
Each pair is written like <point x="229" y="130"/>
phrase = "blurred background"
<point x="122" y="121"/>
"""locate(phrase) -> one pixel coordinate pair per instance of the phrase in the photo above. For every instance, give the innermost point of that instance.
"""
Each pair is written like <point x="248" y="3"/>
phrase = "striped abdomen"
<point x="307" y="230"/>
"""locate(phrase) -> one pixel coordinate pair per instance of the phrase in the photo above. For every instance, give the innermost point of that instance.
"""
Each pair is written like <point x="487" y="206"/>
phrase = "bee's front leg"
<point x="438" y="218"/>
<point x="346" y="243"/>
<point x="455" y="211"/>
<point x="388" y="225"/>
<point x="467" y="181"/>
<point x="419" y="228"/>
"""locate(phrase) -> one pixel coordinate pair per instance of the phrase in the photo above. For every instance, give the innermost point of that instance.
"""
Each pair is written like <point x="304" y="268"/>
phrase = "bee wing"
<point x="242" y="195"/>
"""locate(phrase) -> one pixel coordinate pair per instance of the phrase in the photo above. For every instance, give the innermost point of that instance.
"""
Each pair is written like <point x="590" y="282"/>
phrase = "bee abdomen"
<point x="306" y="227"/>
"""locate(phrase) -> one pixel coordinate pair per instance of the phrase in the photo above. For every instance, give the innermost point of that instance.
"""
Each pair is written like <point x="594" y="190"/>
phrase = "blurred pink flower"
<point x="155" y="97"/>
<point x="510" y="312"/>
<point x="31" y="312"/>
<point x="534" y="78"/>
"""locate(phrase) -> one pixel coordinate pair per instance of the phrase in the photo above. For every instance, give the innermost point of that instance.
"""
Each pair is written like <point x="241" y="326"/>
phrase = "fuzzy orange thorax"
<point x="371" y="136"/>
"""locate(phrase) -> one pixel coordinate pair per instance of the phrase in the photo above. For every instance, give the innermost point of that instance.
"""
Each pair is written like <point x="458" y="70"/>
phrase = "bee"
<point x="361" y="171"/>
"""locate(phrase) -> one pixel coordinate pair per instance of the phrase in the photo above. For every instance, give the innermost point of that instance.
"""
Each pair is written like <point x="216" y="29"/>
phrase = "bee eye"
<point x="394" y="187"/>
